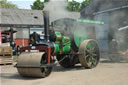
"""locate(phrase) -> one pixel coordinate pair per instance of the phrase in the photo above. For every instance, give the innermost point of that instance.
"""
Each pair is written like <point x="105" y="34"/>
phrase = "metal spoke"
<point x="94" y="61"/>
<point x="90" y="58"/>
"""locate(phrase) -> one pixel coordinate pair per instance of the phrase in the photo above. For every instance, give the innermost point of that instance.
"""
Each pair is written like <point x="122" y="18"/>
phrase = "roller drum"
<point x="29" y="65"/>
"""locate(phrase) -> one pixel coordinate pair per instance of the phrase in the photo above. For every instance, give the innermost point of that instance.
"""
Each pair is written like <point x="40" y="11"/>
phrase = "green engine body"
<point x="64" y="44"/>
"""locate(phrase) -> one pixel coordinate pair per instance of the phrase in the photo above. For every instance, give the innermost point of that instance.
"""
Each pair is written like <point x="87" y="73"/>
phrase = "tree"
<point x="38" y="5"/>
<point x="5" y="4"/>
<point x="76" y="6"/>
<point x="46" y="0"/>
<point x="73" y="6"/>
<point x="84" y="3"/>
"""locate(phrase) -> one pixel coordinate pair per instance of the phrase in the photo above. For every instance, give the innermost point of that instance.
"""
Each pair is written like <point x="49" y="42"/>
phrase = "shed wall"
<point x="102" y="32"/>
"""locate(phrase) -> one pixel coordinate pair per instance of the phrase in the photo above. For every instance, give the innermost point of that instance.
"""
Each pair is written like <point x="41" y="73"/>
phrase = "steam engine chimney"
<point x="46" y="25"/>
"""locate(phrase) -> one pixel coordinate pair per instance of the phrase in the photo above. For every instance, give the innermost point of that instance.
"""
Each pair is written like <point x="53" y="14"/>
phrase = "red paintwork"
<point x="22" y="42"/>
<point x="49" y="54"/>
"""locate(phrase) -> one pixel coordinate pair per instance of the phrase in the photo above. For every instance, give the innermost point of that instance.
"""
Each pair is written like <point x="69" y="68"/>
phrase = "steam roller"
<point x="37" y="59"/>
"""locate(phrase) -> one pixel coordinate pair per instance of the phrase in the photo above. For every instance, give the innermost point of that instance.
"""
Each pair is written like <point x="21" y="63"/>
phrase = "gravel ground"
<point x="106" y="73"/>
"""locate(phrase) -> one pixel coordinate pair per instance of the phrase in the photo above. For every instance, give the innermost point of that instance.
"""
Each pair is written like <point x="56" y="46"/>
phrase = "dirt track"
<point x="106" y="73"/>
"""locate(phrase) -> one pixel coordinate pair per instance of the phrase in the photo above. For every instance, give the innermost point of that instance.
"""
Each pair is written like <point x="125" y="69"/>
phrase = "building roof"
<point x="20" y="17"/>
<point x="100" y="5"/>
<point x="24" y="17"/>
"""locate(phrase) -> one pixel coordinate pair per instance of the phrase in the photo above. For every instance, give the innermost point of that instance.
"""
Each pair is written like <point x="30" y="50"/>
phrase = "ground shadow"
<point x="56" y="68"/>
<point x="59" y="68"/>
<point x="113" y="61"/>
<point x="15" y="76"/>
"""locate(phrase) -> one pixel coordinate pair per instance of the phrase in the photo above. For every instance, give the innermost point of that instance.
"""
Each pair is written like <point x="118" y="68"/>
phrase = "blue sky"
<point x="25" y="4"/>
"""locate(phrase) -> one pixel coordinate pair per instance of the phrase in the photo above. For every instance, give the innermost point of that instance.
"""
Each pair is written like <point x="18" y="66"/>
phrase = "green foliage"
<point x="5" y="4"/>
<point x="73" y="6"/>
<point x="84" y="3"/>
<point x="76" y="6"/>
<point x="46" y="0"/>
<point x="38" y="5"/>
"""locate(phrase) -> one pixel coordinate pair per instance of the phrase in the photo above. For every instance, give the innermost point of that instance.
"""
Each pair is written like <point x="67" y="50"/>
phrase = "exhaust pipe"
<point x="46" y="25"/>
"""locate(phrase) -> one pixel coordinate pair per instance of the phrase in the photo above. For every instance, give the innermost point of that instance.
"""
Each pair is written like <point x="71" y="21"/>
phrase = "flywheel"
<point x="90" y="54"/>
